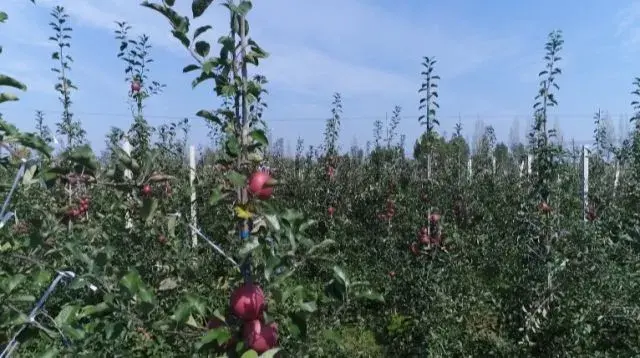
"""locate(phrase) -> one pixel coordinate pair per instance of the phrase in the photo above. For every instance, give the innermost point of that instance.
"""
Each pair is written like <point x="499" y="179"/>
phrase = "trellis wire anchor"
<point x="13" y="344"/>
<point x="4" y="215"/>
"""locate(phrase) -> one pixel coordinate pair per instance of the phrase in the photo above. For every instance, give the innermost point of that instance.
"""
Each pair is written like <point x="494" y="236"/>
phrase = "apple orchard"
<point x="139" y="252"/>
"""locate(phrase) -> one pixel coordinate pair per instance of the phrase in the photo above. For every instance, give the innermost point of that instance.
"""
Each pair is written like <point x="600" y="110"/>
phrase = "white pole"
<point x="470" y="167"/>
<point x="192" y="179"/>
<point x="493" y="164"/>
<point x="616" y="180"/>
<point x="126" y="147"/>
<point x="529" y="163"/>
<point x="585" y="181"/>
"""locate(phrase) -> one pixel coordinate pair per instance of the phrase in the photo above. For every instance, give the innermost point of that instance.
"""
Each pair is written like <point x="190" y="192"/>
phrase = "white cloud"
<point x="370" y="55"/>
<point x="22" y="70"/>
<point x="628" y="25"/>
<point x="310" y="71"/>
<point x="334" y="45"/>
<point x="21" y="27"/>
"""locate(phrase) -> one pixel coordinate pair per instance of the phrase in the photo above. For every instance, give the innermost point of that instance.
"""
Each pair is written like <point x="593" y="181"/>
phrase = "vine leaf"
<point x="198" y="7"/>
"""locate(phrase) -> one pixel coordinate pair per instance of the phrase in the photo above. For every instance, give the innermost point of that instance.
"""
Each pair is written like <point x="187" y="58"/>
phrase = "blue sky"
<point x="489" y="55"/>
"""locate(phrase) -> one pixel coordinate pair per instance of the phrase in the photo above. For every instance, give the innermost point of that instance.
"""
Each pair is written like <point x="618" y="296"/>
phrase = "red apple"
<point x="146" y="190"/>
<point x="414" y="248"/>
<point x="259" y="336"/>
<point x="247" y="302"/>
<point x="135" y="86"/>
<point x="260" y="185"/>
<point x="544" y="207"/>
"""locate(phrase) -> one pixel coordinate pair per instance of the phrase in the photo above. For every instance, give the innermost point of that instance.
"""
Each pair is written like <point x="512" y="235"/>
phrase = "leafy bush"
<point x="368" y="254"/>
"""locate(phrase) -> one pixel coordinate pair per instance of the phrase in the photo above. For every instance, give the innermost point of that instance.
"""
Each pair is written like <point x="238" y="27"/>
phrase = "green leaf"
<point x="3" y="16"/>
<point x="198" y="7"/>
<point x="172" y="221"/>
<point x="149" y="207"/>
<point x="273" y="221"/>
<point x="217" y="314"/>
<point x="131" y="282"/>
<point x="179" y="23"/>
<point x="256" y="156"/>
<point x="169" y="2"/>
<point x="50" y="175"/>
<point x="12" y="282"/>
<point x="249" y="247"/>
<point x="309" y="307"/>
<point x="322" y="245"/>
<point x="370" y="295"/>
<point x="218" y="335"/>
<point x="32" y="141"/>
<point x="297" y="324"/>
<point x="146" y="295"/>
<point x="339" y="275"/>
<point x="271" y="353"/>
<point x="125" y="159"/>
<point x="29" y="174"/>
<point x="181" y="313"/>
<point x="67" y="315"/>
<point x="134" y="285"/>
<point x="182" y="37"/>
<point x="11" y="82"/>
<point x="260" y="136"/>
<point x="216" y="196"/>
<point x="197" y="304"/>
<point x="272" y="263"/>
<point x="190" y="68"/>
<point x="208" y="66"/>
<point x="228" y="90"/>
<point x="202" y="48"/>
<point x="23" y="298"/>
<point x="244" y="7"/>
<point x="114" y="330"/>
<point x="7" y="97"/>
<point x="50" y="353"/>
<point x="168" y="284"/>
<point x="250" y="354"/>
<point x="192" y="322"/>
<point x="236" y="179"/>
<point x="211" y="117"/>
<point x="84" y="157"/>
<point x="232" y="146"/>
<point x="92" y="310"/>
<point x="200" y="30"/>
<point x="8" y="128"/>
<point x="336" y="290"/>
